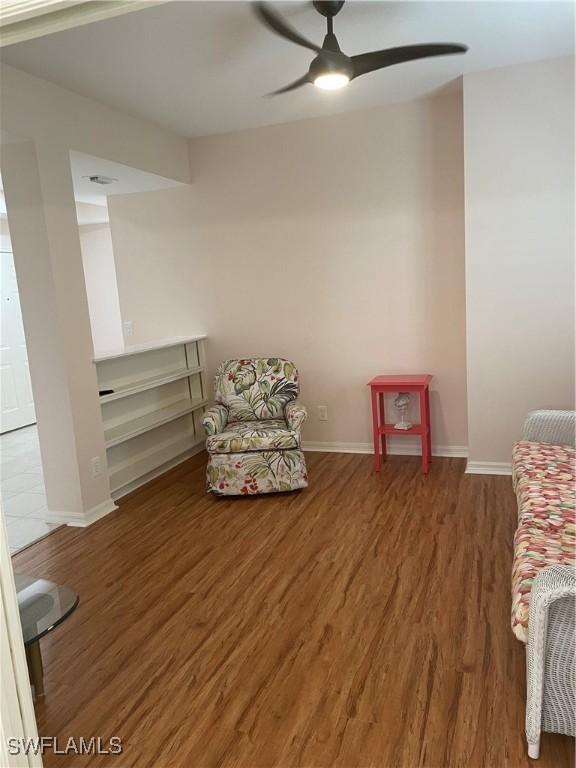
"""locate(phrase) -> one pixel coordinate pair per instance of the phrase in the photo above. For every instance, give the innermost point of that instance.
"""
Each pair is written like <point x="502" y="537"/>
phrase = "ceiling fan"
<point x="332" y="69"/>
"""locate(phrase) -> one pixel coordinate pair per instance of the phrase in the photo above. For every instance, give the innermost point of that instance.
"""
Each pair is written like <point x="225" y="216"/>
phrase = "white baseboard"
<point x="82" y="519"/>
<point x="134" y="484"/>
<point x="394" y="448"/>
<point x="488" y="468"/>
<point x="337" y="447"/>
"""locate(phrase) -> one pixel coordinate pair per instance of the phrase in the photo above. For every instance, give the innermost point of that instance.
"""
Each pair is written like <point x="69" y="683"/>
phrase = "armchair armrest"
<point x="551" y="427"/>
<point x="214" y="419"/>
<point x="295" y="414"/>
<point x="550" y="653"/>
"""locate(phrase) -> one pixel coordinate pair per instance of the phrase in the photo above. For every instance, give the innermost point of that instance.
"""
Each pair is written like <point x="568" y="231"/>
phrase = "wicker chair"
<point x="253" y="431"/>
<point x="551" y="628"/>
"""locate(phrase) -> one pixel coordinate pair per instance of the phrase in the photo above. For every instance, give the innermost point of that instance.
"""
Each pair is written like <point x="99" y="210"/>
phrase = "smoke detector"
<point x="100" y="179"/>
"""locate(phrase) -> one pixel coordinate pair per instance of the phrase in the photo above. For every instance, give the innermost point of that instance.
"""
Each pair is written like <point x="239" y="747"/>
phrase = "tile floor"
<point x="22" y="488"/>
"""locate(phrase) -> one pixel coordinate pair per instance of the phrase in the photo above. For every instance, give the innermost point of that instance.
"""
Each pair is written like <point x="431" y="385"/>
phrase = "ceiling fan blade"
<point x="276" y="23"/>
<point x="369" y="62"/>
<point x="292" y="86"/>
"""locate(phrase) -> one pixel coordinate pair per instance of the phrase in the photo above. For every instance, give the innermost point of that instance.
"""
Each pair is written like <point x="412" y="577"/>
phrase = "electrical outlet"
<point x="96" y="466"/>
<point x="323" y="413"/>
<point x="128" y="329"/>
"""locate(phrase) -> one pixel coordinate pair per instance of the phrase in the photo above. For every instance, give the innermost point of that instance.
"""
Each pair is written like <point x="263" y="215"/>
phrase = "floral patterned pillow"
<point x="256" y="389"/>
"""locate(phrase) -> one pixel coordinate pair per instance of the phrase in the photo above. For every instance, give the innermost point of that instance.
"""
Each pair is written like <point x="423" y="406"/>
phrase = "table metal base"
<point x="35" y="668"/>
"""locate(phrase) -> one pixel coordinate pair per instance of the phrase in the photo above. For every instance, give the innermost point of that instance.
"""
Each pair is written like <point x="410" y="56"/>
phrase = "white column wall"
<point x="47" y="257"/>
<point x="519" y="190"/>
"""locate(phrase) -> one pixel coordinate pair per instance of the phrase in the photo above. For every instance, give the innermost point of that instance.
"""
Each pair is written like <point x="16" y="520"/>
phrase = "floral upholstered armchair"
<point x="253" y="431"/>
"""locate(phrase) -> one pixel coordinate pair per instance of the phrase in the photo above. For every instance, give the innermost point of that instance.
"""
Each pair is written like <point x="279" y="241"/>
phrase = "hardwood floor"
<point x="362" y="622"/>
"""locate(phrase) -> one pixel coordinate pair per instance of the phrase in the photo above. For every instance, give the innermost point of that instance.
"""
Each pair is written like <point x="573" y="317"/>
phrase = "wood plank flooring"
<point x="361" y="623"/>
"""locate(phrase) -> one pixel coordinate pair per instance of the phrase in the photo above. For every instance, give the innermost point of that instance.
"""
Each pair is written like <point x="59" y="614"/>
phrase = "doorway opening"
<point x="21" y="477"/>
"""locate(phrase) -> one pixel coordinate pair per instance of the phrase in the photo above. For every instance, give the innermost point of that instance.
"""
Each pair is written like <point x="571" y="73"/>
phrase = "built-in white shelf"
<point x="149" y="346"/>
<point x="131" y="429"/>
<point x="153" y="417"/>
<point x="151" y="383"/>
<point x="144" y="466"/>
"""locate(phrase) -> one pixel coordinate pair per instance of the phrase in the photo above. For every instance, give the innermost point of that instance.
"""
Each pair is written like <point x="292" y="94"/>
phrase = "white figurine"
<point x="402" y="403"/>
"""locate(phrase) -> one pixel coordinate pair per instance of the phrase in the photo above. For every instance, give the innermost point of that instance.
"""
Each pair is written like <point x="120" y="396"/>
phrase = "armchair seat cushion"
<point x="537" y="464"/>
<point x="543" y="477"/>
<point x="243" y="436"/>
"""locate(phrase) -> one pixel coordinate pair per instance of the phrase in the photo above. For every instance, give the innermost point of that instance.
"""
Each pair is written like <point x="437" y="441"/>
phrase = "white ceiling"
<point x="128" y="179"/>
<point x="86" y="192"/>
<point x="203" y="67"/>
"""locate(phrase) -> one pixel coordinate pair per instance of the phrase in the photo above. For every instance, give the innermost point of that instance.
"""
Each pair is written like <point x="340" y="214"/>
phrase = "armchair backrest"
<point x="256" y="389"/>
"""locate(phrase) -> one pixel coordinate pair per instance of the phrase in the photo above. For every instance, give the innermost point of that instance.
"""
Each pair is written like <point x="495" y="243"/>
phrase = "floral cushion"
<point x="544" y="479"/>
<point x="256" y="389"/>
<point x="259" y="472"/>
<point x="265" y="435"/>
<point x="542" y="460"/>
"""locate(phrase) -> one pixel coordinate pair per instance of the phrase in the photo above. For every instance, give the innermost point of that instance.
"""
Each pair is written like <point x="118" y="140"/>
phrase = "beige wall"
<point x="42" y="216"/>
<point x="337" y="242"/>
<point x="37" y="109"/>
<point x="519" y="147"/>
<point x="101" y="289"/>
<point x="99" y="274"/>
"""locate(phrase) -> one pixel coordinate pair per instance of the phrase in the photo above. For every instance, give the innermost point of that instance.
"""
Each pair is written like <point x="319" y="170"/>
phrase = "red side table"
<point x="409" y="383"/>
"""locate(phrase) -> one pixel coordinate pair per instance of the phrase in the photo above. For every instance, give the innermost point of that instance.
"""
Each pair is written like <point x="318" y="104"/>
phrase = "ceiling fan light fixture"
<point x="331" y="81"/>
<point x="332" y="69"/>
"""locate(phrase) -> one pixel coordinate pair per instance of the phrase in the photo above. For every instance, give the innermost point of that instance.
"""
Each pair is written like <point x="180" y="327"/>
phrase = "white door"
<point x="16" y="402"/>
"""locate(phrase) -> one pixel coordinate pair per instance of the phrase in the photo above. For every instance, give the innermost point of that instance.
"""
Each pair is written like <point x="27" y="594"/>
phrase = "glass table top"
<point x="43" y="605"/>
